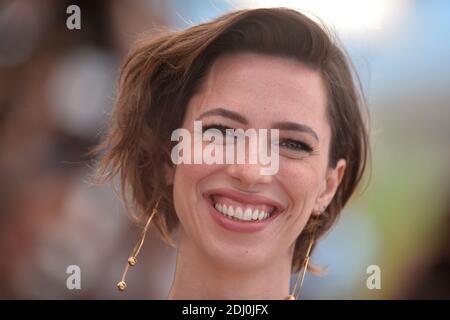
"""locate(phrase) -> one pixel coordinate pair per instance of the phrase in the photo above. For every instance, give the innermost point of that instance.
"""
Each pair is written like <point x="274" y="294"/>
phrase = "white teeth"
<point x="239" y="214"/>
<point x="230" y="211"/>
<point x="248" y="214"/>
<point x="261" y="215"/>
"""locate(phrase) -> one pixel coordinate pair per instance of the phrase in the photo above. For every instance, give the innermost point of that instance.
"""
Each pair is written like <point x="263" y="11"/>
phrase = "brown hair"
<point x="159" y="78"/>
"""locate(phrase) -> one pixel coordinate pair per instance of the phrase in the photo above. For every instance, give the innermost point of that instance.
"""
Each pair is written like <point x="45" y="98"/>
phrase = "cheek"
<point x="186" y="193"/>
<point x="301" y="181"/>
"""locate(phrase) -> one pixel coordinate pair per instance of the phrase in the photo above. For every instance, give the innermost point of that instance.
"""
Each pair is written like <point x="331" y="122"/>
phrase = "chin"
<point x="232" y="254"/>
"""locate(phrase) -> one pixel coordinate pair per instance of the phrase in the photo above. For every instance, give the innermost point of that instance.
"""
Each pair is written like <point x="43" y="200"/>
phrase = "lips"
<point x="239" y="211"/>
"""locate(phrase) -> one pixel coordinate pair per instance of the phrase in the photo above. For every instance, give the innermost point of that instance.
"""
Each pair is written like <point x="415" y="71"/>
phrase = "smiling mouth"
<point x="242" y="212"/>
<point x="240" y="208"/>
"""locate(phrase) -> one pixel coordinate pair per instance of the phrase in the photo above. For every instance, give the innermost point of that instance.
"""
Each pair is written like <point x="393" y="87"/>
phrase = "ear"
<point x="169" y="173"/>
<point x="330" y="185"/>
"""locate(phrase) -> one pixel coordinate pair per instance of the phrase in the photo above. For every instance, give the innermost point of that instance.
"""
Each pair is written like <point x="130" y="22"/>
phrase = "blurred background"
<point x="58" y="85"/>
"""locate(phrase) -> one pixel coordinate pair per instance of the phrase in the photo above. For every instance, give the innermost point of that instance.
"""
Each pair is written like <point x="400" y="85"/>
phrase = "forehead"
<point x="263" y="88"/>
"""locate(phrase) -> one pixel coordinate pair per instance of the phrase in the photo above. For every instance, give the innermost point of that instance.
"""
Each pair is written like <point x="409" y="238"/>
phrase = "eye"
<point x="218" y="127"/>
<point x="223" y="129"/>
<point x="296" y="145"/>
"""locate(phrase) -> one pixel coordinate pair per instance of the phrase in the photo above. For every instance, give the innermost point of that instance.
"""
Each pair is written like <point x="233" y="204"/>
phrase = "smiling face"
<point x="245" y="91"/>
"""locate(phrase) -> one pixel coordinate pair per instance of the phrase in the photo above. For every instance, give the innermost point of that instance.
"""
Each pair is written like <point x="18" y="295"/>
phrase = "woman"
<point x="241" y="233"/>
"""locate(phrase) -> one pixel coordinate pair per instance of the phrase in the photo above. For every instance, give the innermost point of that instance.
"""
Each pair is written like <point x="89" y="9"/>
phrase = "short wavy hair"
<point x="160" y="76"/>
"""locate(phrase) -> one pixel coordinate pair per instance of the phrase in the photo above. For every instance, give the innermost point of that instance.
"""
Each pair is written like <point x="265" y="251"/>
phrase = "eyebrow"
<point x="224" y="113"/>
<point x="294" y="126"/>
<point x="283" y="125"/>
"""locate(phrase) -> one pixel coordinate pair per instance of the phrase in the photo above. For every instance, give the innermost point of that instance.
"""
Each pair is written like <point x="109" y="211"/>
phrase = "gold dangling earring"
<point x="121" y="285"/>
<point x="295" y="295"/>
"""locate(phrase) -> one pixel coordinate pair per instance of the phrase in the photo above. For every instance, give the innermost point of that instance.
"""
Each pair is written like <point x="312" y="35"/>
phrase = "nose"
<point x="248" y="175"/>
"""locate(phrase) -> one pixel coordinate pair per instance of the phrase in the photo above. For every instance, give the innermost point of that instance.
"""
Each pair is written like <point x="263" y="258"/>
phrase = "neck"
<point x="198" y="278"/>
